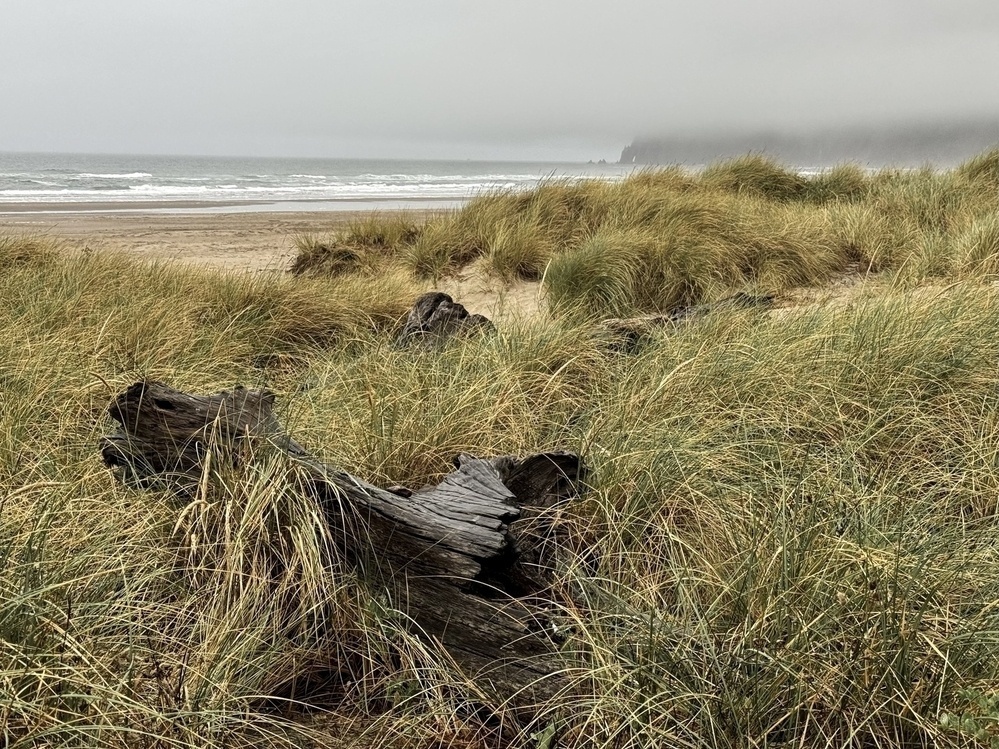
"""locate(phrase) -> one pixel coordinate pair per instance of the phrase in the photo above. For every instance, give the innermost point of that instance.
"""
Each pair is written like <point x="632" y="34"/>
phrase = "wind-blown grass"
<point x="790" y="533"/>
<point x="746" y="223"/>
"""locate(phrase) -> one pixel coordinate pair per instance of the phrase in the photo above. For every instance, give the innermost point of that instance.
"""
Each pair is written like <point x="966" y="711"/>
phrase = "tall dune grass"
<point x="676" y="237"/>
<point x="789" y="538"/>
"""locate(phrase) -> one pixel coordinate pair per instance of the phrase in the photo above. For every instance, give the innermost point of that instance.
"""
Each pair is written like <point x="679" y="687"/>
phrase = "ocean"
<point x="94" y="182"/>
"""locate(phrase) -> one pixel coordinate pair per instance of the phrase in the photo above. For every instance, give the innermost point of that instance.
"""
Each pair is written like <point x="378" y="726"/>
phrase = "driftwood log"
<point x="457" y="558"/>
<point x="435" y="317"/>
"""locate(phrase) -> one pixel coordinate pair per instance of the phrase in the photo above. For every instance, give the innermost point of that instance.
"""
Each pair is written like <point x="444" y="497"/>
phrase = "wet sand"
<point x="249" y="240"/>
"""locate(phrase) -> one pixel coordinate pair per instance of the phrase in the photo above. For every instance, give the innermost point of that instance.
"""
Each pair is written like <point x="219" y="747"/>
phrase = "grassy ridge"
<point x="667" y="237"/>
<point x="793" y="516"/>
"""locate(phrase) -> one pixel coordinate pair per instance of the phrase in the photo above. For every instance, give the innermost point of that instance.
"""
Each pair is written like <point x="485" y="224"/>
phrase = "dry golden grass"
<point x="792" y="517"/>
<point x="674" y="237"/>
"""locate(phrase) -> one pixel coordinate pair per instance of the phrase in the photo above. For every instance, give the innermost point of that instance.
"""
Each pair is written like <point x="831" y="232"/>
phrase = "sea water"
<point x="128" y="182"/>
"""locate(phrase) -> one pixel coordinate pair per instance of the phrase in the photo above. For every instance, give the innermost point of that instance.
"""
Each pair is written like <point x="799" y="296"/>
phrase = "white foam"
<point x="130" y="175"/>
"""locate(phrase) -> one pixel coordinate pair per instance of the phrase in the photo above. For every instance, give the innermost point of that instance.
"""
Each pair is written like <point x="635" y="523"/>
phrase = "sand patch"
<point x="486" y="295"/>
<point x="841" y="289"/>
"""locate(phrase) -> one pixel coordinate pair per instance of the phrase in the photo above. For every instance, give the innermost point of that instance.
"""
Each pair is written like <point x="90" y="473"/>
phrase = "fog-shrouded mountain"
<point x="901" y="145"/>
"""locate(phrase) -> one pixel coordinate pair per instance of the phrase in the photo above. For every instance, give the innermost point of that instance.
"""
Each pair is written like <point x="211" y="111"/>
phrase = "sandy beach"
<point x="250" y="240"/>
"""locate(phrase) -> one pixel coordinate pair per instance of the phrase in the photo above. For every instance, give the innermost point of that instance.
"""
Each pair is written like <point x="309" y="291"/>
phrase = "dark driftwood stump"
<point x="453" y="557"/>
<point x="436" y="317"/>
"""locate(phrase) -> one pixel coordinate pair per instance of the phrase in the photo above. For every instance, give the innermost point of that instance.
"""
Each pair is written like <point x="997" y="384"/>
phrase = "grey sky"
<point x="443" y="78"/>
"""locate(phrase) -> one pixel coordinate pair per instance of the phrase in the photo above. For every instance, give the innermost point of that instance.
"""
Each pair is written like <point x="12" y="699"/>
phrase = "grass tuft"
<point x="983" y="169"/>
<point x="27" y="250"/>
<point x="360" y="247"/>
<point x="977" y="247"/>
<point x="843" y="183"/>
<point x="756" y="175"/>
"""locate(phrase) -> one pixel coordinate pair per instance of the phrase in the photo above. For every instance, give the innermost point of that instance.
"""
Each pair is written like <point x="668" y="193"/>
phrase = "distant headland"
<point x="901" y="145"/>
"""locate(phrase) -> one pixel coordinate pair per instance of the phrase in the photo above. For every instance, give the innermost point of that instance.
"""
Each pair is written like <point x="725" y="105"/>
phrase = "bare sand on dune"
<point x="250" y="241"/>
<point x="484" y="294"/>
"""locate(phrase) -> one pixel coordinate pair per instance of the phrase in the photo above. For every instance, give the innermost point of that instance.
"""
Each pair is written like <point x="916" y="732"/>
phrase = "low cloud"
<point x="561" y="78"/>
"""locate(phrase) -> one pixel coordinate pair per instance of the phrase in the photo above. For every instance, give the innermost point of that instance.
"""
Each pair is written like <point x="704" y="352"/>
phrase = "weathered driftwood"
<point x="436" y="317"/>
<point x="455" y="557"/>
<point x="625" y="333"/>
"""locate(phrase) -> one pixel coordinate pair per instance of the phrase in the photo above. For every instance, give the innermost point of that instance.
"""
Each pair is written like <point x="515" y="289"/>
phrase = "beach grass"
<point x="680" y="237"/>
<point x="789" y="537"/>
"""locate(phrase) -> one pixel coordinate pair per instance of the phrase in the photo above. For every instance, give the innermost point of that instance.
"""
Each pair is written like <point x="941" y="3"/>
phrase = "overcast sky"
<point x="572" y="79"/>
